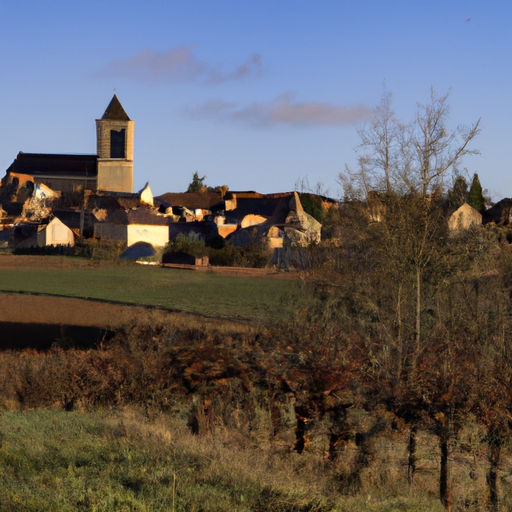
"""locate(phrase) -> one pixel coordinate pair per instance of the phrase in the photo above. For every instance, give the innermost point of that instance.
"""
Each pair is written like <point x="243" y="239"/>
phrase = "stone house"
<point x="42" y="235"/>
<point x="133" y="225"/>
<point x="464" y="217"/>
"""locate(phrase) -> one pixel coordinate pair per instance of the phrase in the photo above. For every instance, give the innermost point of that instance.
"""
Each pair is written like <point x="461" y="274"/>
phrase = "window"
<point x="118" y="143"/>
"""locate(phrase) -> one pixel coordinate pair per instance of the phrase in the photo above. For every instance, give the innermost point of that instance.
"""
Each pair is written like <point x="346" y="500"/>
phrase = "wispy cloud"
<point x="282" y="110"/>
<point x="177" y="65"/>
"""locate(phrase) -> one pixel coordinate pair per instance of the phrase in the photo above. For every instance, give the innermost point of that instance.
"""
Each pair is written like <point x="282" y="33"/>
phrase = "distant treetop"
<point x="475" y="197"/>
<point x="197" y="183"/>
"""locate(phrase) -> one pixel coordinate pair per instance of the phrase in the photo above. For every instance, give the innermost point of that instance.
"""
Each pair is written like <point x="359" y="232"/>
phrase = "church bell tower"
<point x="114" y="132"/>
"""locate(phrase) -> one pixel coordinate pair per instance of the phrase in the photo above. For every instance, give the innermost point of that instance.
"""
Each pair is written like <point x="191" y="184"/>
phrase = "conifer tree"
<point x="457" y="196"/>
<point x="196" y="184"/>
<point x="475" y="196"/>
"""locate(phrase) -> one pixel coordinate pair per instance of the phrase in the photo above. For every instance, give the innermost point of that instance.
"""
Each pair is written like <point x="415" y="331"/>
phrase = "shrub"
<point x="102" y="249"/>
<point x="219" y="252"/>
<point x="191" y="244"/>
<point x="223" y="257"/>
<point x="247" y="255"/>
<point x="217" y="242"/>
<point x="312" y="204"/>
<point x="49" y="250"/>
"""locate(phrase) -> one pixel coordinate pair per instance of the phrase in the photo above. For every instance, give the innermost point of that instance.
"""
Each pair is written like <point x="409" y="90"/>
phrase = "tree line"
<point x="414" y="318"/>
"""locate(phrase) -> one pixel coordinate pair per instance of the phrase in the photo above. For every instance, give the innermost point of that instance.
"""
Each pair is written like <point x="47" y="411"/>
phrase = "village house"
<point x="54" y="233"/>
<point x="464" y="218"/>
<point x="37" y="185"/>
<point x="91" y="195"/>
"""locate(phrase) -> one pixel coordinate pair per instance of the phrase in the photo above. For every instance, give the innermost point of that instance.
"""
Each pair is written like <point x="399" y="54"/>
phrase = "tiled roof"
<point x="191" y="199"/>
<point x="274" y="207"/>
<point x="37" y="164"/>
<point x="113" y="200"/>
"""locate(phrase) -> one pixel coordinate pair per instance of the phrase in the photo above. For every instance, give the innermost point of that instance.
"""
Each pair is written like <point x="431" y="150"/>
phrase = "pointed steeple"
<point x="115" y="111"/>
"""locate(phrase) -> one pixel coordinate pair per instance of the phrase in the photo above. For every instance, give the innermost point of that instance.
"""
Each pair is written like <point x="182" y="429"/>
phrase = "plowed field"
<point x="55" y="310"/>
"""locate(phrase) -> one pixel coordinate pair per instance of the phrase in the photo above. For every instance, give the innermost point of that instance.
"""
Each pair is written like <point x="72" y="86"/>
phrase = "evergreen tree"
<point x="475" y="197"/>
<point x="196" y="184"/>
<point x="458" y="195"/>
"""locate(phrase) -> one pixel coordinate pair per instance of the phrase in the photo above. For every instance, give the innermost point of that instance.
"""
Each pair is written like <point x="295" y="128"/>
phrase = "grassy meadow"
<point x="225" y="296"/>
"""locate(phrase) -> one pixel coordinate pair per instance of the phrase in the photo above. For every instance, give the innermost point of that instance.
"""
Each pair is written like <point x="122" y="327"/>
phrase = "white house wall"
<point x="157" y="236"/>
<point x="56" y="233"/>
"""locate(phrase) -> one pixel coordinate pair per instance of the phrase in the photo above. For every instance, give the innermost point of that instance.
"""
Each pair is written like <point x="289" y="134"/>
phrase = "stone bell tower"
<point x="114" y="132"/>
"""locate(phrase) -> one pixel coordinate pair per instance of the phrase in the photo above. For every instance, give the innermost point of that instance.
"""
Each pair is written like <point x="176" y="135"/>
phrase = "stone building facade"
<point x="111" y="169"/>
<point x="114" y="135"/>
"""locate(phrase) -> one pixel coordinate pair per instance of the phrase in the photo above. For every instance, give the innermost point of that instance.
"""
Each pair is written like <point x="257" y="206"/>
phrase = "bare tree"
<point x="378" y="154"/>
<point x="379" y="147"/>
<point x="433" y="149"/>
<point x="400" y="158"/>
<point x="303" y="186"/>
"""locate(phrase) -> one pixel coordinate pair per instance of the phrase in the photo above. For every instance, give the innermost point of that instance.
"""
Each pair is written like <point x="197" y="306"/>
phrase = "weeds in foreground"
<point x="121" y="460"/>
<point x="191" y="418"/>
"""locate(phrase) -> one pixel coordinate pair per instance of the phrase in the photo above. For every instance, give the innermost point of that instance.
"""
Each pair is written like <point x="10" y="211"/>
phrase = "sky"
<point x="257" y="95"/>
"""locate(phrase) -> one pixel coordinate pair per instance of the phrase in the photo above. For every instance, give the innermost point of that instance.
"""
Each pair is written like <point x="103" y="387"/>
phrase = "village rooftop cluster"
<point x="54" y="199"/>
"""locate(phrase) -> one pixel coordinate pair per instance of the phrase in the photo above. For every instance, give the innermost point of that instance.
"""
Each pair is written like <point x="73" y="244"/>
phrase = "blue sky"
<point x="252" y="94"/>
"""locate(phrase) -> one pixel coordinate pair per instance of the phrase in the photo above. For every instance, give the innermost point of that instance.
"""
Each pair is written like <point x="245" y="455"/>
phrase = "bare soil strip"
<point x="40" y="309"/>
<point x="237" y="271"/>
<point x="66" y="311"/>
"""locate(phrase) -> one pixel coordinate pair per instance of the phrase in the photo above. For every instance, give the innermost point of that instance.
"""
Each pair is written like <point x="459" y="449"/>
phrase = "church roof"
<point x="115" y="111"/>
<point x="40" y="164"/>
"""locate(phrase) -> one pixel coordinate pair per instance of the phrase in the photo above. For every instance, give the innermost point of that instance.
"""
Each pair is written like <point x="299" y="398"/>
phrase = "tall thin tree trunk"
<point x="387" y="172"/>
<point x="418" y="309"/>
<point x="400" y="340"/>
<point x="444" y="479"/>
<point x="492" y="476"/>
<point x="411" y="462"/>
<point x="301" y="438"/>
<point x="339" y="434"/>
<point x="444" y="476"/>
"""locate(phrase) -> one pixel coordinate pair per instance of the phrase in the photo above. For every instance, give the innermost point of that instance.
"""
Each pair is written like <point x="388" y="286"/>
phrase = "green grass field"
<point x="225" y="296"/>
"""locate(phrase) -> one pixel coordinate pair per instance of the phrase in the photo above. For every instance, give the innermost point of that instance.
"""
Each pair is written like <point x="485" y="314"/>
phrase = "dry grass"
<point x="123" y="460"/>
